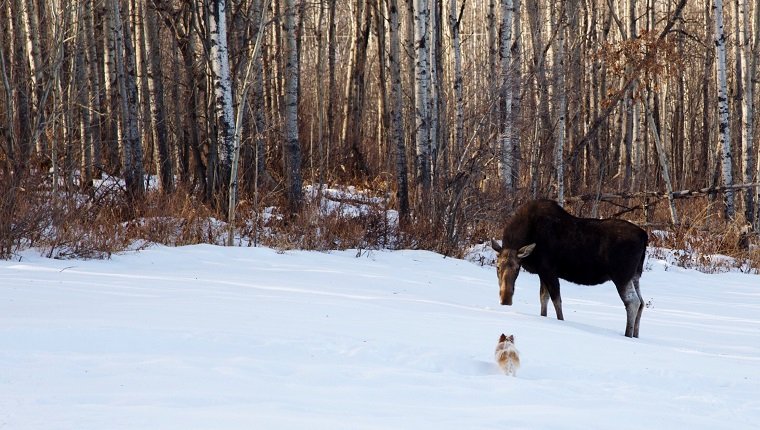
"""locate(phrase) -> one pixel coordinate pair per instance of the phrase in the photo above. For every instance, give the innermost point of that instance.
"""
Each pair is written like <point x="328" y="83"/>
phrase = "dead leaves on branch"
<point x="650" y="58"/>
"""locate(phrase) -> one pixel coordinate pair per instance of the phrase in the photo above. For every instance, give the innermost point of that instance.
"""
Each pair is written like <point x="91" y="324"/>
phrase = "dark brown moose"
<point x="544" y="239"/>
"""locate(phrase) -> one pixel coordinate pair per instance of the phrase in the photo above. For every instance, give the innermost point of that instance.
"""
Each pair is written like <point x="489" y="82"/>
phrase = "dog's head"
<point x="505" y="338"/>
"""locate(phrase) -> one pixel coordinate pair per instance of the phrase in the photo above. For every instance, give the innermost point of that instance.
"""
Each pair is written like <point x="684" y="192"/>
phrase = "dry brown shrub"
<point x="359" y="223"/>
<point x="175" y="219"/>
<point x="705" y="241"/>
<point x="24" y="213"/>
<point x="102" y="222"/>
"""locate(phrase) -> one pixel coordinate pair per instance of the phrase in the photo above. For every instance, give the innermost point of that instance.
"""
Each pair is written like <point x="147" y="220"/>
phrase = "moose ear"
<point x="495" y="245"/>
<point x="525" y="250"/>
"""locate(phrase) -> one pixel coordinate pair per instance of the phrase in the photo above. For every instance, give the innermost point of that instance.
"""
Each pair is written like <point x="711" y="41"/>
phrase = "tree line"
<point x="447" y="103"/>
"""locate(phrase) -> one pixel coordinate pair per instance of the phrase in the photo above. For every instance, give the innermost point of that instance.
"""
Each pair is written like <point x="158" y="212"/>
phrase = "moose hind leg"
<point x="551" y="286"/>
<point x="633" y="304"/>
<point x="635" y="281"/>
<point x="557" y="301"/>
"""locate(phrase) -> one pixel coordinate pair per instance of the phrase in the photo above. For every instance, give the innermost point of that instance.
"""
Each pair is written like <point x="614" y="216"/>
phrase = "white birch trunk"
<point x="220" y="66"/>
<point x="724" y="138"/>
<point x="421" y="91"/>
<point x="505" y="147"/>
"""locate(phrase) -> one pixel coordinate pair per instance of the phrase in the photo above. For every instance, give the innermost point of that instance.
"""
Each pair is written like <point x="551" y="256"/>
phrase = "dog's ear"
<point x="512" y="338"/>
<point x="502" y="338"/>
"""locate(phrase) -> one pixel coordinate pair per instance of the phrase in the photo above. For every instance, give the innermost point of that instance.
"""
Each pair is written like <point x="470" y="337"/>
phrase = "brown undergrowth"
<point x="101" y="222"/>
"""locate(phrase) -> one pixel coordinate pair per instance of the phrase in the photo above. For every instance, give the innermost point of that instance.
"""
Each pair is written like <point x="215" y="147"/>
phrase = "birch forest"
<point x="453" y="112"/>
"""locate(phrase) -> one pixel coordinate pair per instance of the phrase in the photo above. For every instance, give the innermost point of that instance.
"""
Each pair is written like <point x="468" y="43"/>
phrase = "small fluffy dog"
<point x="507" y="356"/>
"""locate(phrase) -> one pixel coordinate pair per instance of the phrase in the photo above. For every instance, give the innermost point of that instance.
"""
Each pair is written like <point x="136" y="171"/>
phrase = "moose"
<point x="544" y="239"/>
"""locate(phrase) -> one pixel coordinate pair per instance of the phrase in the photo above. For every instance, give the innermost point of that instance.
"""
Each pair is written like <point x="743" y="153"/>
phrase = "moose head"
<point x="508" y="262"/>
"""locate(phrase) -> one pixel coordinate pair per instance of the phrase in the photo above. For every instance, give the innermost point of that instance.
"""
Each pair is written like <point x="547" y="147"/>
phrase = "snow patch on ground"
<point x="203" y="337"/>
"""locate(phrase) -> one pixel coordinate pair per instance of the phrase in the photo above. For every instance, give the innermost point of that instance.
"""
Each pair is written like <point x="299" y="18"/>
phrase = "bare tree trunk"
<point x="94" y="105"/>
<point x="162" y="156"/>
<point x="662" y="157"/>
<point x="433" y="95"/>
<point x="136" y="13"/>
<point x="396" y="108"/>
<point x="543" y="126"/>
<point x="626" y="165"/>
<point x="319" y="180"/>
<point x="237" y="137"/>
<point x="516" y="84"/>
<point x="748" y="112"/>
<point x="352" y="132"/>
<point x="493" y="41"/>
<point x="752" y="74"/>
<point x="292" y="149"/>
<point x="724" y="138"/>
<point x="410" y="119"/>
<point x="32" y="31"/>
<point x="9" y="134"/>
<point x="113" y="127"/>
<point x="559" y="73"/>
<point x="127" y="83"/>
<point x="383" y="110"/>
<point x="422" y="81"/>
<point x="182" y="143"/>
<point x="438" y="122"/>
<point x="220" y="65"/>
<point x="20" y="77"/>
<point x="704" y="164"/>
<point x="456" y="42"/>
<point x="259" y="120"/>
<point x="81" y="81"/>
<point x="736" y="111"/>
<point x="331" y="85"/>
<point x="189" y="42"/>
<point x="505" y="121"/>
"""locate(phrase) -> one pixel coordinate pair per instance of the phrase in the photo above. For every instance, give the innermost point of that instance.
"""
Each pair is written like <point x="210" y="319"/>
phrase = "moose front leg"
<point x="544" y="294"/>
<point x="550" y="289"/>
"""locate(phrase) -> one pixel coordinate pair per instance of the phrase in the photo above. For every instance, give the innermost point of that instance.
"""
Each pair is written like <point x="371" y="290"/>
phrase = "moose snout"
<point x="506" y="302"/>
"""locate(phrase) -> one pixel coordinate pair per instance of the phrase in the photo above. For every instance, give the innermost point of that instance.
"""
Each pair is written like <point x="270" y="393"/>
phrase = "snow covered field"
<point x="205" y="337"/>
